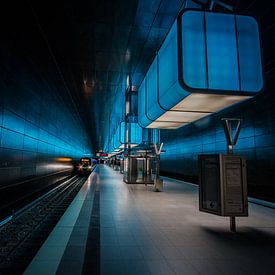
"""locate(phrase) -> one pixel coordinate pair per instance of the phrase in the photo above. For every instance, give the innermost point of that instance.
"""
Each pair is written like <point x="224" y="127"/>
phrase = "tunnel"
<point x="137" y="137"/>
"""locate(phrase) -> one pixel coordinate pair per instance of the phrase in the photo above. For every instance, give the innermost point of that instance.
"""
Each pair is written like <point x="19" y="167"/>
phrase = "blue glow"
<point x="1" y="116"/>
<point x="227" y="44"/>
<point x="183" y="148"/>
<point x="136" y="133"/>
<point x="220" y="55"/>
<point x="167" y="57"/>
<point x="30" y="144"/>
<point x="116" y="143"/>
<point x="117" y="114"/>
<point x="170" y="91"/>
<point x="10" y="139"/>
<point x="142" y="118"/>
<point x="249" y="54"/>
<point x="31" y="130"/>
<point x="17" y="122"/>
<point x="122" y="132"/>
<point x="152" y="92"/>
<point x="221" y="52"/>
<point x="19" y="134"/>
<point x="118" y="138"/>
<point x="155" y="135"/>
<point x="193" y="54"/>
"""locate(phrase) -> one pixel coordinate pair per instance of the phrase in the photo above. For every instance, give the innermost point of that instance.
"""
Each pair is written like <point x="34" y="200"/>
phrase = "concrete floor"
<point x="147" y="232"/>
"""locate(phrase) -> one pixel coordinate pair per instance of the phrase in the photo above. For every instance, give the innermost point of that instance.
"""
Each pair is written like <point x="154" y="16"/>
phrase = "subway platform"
<point x="115" y="228"/>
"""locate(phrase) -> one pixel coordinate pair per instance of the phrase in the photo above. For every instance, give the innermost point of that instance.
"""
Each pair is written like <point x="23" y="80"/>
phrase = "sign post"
<point x="158" y="182"/>
<point x="231" y="140"/>
<point x="223" y="183"/>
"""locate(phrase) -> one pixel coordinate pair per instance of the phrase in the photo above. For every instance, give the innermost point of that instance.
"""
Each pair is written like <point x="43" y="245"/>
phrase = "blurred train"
<point x="85" y="166"/>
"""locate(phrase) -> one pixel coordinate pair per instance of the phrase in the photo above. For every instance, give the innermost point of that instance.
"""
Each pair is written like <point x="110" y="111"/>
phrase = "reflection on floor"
<point x="147" y="232"/>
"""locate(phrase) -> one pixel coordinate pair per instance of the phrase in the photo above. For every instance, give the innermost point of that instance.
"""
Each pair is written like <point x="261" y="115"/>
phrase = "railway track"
<point x="25" y="231"/>
<point x="15" y="196"/>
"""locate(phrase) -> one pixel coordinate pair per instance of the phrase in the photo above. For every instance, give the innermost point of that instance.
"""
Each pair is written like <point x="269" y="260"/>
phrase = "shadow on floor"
<point x="243" y="236"/>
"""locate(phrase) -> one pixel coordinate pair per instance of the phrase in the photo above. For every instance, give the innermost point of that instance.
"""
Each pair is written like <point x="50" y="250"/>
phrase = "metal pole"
<point x="233" y="223"/>
<point x="158" y="183"/>
<point x="230" y="152"/>
<point x="231" y="141"/>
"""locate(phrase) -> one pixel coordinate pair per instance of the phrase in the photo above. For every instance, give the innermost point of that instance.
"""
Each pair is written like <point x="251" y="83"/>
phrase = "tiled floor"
<point x="147" y="232"/>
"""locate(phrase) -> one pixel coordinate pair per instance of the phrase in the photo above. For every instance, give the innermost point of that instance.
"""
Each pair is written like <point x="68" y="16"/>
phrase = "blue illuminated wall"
<point x="38" y="123"/>
<point x="256" y="142"/>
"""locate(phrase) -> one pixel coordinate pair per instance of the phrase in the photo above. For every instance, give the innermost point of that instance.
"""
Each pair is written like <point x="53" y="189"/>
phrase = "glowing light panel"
<point x="135" y="137"/>
<point x="208" y="62"/>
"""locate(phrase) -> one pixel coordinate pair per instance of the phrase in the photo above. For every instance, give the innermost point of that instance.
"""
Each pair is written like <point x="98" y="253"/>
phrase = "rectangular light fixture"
<point x="129" y="134"/>
<point x="208" y="61"/>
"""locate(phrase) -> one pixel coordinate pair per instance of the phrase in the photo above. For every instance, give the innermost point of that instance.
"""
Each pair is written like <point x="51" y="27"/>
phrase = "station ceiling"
<point x="94" y="44"/>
